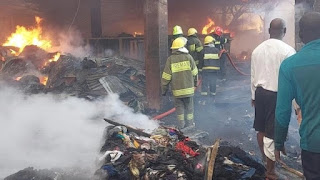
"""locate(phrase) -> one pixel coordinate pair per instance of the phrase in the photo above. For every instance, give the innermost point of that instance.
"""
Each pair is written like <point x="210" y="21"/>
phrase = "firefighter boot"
<point x="181" y="124"/>
<point x="190" y="124"/>
<point x="190" y="127"/>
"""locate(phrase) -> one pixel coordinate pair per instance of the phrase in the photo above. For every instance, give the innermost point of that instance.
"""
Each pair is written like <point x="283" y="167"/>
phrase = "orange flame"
<point x="55" y="58"/>
<point x="137" y="34"/>
<point x="28" y="36"/>
<point x="208" y="28"/>
<point x="44" y="80"/>
<point x="18" y="78"/>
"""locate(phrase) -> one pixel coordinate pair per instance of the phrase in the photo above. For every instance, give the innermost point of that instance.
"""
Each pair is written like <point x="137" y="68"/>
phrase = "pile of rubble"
<point x="166" y="153"/>
<point x="96" y="76"/>
<point x="89" y="78"/>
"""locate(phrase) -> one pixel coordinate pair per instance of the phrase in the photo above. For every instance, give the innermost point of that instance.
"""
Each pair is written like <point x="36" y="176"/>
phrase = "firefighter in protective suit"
<point x="181" y="71"/>
<point x="209" y="66"/>
<point x="194" y="45"/>
<point x="177" y="32"/>
<point x="219" y="43"/>
<point x="219" y="39"/>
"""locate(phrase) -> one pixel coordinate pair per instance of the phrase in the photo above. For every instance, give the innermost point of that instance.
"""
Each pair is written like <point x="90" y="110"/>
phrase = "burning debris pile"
<point x="165" y="153"/>
<point x="27" y="63"/>
<point x="35" y="70"/>
<point x="84" y="78"/>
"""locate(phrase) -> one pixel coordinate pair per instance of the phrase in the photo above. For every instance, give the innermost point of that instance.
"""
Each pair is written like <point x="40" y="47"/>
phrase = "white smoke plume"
<point x="71" y="42"/>
<point x="49" y="131"/>
<point x="123" y="114"/>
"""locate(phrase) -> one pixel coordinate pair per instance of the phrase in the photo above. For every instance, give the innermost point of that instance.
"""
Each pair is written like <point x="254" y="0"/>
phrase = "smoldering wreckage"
<point x="128" y="153"/>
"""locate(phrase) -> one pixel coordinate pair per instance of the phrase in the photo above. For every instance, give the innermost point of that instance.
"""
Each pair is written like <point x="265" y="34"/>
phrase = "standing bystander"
<point x="265" y="63"/>
<point x="299" y="80"/>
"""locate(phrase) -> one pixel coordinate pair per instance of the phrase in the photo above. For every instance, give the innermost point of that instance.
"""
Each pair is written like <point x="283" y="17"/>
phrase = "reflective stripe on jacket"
<point x="210" y="60"/>
<point x="195" y="47"/>
<point x="181" y="71"/>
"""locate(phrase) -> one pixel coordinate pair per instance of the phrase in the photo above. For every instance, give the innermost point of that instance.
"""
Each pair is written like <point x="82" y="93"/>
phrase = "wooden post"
<point x="96" y="27"/>
<point x="156" y="48"/>
<point x="121" y="47"/>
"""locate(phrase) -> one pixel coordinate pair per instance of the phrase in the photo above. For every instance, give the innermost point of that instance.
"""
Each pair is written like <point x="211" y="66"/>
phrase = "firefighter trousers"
<point x="209" y="83"/>
<point x="184" y="108"/>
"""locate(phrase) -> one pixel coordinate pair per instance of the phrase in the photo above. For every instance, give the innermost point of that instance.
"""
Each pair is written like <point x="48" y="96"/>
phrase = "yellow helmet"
<point x="177" y="30"/>
<point x="192" y="31"/>
<point x="208" y="39"/>
<point x="179" y="43"/>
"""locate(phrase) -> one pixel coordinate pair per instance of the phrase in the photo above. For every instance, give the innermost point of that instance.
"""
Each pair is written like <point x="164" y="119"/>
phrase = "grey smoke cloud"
<point x="71" y="42"/>
<point x="49" y="131"/>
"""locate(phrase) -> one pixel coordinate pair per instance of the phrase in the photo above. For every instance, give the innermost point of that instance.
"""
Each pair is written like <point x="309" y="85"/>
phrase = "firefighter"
<point x="219" y="39"/>
<point x="209" y="66"/>
<point x="177" y="32"/>
<point x="194" y="45"/>
<point x="219" y="43"/>
<point x="181" y="71"/>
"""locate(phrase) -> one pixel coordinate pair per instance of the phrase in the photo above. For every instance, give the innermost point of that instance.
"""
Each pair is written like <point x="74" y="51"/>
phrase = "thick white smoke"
<point x="71" y="42"/>
<point x="123" y="114"/>
<point x="47" y="131"/>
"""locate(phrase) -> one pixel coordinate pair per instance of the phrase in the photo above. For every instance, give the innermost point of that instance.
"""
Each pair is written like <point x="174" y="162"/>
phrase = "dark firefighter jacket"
<point x="219" y="41"/>
<point x="181" y="71"/>
<point x="210" y="60"/>
<point x="194" y="46"/>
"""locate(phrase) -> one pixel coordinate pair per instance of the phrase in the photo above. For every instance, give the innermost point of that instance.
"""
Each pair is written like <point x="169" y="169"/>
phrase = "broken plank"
<point x="212" y="159"/>
<point x="137" y="131"/>
<point x="293" y="171"/>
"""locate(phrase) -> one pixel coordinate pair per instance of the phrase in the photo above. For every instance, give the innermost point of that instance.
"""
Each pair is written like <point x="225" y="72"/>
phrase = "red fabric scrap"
<point x="186" y="149"/>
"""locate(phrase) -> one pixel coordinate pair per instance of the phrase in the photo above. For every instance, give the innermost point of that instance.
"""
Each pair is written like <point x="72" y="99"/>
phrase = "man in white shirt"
<point x="265" y="63"/>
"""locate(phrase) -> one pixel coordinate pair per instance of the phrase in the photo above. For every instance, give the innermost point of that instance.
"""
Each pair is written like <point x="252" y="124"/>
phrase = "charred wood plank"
<point x="212" y="159"/>
<point x="137" y="131"/>
<point x="293" y="171"/>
